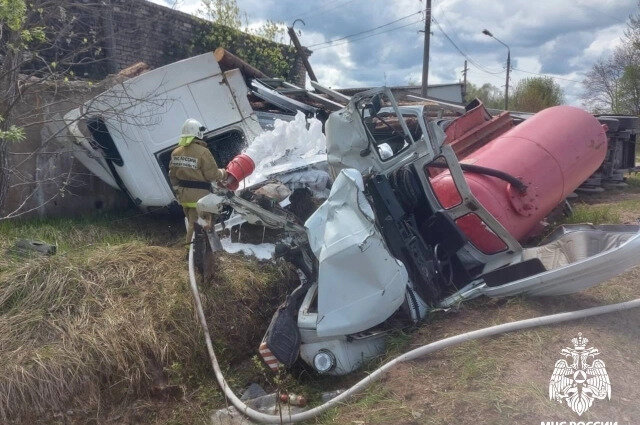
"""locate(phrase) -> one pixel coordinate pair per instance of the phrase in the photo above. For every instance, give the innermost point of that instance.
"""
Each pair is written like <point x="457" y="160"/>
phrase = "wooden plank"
<point x="228" y="61"/>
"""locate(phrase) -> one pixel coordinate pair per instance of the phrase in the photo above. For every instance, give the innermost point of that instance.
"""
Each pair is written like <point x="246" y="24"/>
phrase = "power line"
<point x="449" y="25"/>
<point x="371" y="35"/>
<point x="365" y="31"/>
<point x="466" y="56"/>
<point x="483" y="69"/>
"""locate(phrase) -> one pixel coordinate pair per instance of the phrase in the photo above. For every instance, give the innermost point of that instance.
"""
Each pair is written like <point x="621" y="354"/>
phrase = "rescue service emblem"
<point x="184" y="162"/>
<point x="580" y="382"/>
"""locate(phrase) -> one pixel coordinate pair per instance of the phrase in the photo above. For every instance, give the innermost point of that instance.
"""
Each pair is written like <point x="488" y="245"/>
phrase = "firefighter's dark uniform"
<point x="192" y="170"/>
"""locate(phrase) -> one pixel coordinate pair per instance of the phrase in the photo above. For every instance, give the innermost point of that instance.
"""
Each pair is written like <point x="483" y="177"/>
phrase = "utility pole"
<point x="464" y="87"/>
<point x="506" y="89"/>
<point x="425" y="56"/>
<point x="300" y="51"/>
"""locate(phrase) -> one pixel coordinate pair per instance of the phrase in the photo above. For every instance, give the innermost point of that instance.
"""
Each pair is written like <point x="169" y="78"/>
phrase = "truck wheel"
<point x="610" y="122"/>
<point x="626" y="122"/>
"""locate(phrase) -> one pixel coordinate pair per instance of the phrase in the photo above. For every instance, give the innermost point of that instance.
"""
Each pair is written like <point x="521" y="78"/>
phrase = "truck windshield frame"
<point x="387" y="128"/>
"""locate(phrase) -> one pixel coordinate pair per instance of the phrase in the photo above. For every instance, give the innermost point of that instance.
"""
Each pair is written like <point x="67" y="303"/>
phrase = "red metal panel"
<point x="475" y="129"/>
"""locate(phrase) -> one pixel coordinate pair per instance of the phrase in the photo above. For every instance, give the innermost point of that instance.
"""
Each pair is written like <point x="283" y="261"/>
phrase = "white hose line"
<point x="378" y="373"/>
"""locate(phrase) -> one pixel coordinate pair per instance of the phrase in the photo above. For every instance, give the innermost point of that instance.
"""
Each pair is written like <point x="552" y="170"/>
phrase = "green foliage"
<point x="35" y="34"/>
<point x="489" y="94"/>
<point x="13" y="16"/>
<point x="629" y="88"/>
<point x="271" y="30"/>
<point x="271" y="58"/>
<point x="259" y="47"/>
<point x="535" y="94"/>
<point x="12" y="13"/>
<point x="223" y="12"/>
<point x="12" y="133"/>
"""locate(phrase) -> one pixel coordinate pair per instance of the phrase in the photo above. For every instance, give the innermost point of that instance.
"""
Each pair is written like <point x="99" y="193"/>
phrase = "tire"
<point x="610" y="122"/>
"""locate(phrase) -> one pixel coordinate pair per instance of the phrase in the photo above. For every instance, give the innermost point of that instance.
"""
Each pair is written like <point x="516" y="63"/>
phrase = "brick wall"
<point x="146" y="32"/>
<point x="138" y="30"/>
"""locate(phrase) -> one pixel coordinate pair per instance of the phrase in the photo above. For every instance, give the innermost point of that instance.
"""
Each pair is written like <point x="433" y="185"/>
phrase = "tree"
<point x="613" y="84"/>
<point x="536" y="93"/>
<point x="223" y="12"/>
<point x="489" y="94"/>
<point x="602" y="87"/>
<point x="44" y="45"/>
<point x="629" y="87"/>
<point x="261" y="49"/>
<point x="13" y="39"/>
<point x="228" y="13"/>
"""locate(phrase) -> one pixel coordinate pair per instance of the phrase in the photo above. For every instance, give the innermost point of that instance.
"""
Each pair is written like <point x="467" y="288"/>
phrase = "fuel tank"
<point x="552" y="153"/>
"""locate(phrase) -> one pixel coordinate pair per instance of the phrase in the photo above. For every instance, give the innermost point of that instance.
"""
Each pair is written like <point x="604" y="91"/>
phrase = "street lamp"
<point x="506" y="88"/>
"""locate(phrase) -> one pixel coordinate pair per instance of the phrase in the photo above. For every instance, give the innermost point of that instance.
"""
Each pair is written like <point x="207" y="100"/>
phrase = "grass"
<point x="594" y="214"/>
<point x="75" y="325"/>
<point x="377" y="404"/>
<point x="108" y="322"/>
<point x="72" y="235"/>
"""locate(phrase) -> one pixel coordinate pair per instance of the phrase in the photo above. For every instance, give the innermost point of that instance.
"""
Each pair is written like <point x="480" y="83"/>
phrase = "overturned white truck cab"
<point x="407" y="228"/>
<point x="126" y="134"/>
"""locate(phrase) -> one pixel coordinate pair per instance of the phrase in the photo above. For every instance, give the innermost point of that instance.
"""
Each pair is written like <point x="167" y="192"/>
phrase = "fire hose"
<point x="379" y="373"/>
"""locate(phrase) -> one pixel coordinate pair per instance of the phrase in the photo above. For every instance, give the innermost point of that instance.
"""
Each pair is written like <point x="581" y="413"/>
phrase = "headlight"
<point x="324" y="361"/>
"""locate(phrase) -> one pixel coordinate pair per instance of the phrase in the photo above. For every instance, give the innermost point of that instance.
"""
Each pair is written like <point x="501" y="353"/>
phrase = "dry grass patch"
<point x="98" y="328"/>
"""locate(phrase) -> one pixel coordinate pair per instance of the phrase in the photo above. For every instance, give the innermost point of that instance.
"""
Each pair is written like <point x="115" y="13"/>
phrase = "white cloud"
<point x="188" y="6"/>
<point x="561" y="37"/>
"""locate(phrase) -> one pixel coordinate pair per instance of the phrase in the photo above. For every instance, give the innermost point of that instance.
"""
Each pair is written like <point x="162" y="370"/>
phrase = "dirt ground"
<point x="505" y="379"/>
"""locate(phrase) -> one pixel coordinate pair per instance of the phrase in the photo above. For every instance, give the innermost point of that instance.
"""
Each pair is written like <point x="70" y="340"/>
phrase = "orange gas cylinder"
<point x="552" y="152"/>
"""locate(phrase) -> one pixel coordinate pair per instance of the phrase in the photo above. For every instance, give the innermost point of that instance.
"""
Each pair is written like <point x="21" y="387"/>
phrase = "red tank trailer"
<point x="552" y="153"/>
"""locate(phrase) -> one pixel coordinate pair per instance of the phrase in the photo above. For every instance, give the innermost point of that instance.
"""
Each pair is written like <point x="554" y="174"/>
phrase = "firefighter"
<point x="192" y="170"/>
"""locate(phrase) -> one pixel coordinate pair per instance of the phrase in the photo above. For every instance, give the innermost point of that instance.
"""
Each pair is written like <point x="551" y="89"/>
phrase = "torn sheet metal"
<point x="354" y="262"/>
<point x="576" y="261"/>
<point x="261" y="90"/>
<point x="337" y="96"/>
<point x="251" y="212"/>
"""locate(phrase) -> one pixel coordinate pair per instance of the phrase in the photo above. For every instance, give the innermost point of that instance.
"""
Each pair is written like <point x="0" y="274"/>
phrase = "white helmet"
<point x="193" y="128"/>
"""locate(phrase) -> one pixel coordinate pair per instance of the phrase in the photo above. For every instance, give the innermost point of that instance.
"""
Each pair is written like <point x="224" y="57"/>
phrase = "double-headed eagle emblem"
<point x="579" y="383"/>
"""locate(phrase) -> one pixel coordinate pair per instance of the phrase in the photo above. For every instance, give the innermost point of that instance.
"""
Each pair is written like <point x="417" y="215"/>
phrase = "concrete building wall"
<point x="44" y="178"/>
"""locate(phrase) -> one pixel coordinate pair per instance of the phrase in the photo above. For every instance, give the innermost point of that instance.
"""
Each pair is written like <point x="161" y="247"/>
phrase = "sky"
<point x="558" y="38"/>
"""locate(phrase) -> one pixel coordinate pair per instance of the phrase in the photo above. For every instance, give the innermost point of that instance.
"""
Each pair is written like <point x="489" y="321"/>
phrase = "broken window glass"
<point x="384" y="126"/>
